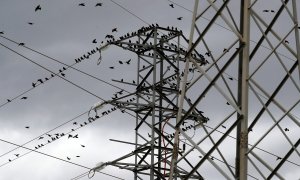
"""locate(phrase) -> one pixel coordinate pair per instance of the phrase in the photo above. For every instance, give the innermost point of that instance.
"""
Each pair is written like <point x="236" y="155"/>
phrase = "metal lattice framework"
<point x="228" y="106"/>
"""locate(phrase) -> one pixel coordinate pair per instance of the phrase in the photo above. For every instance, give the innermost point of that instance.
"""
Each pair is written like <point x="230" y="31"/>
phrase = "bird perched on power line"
<point x="111" y="67"/>
<point x="81" y="4"/>
<point x="230" y="78"/>
<point x="265" y="10"/>
<point x="95" y="41"/>
<point x="38" y="8"/>
<point x="98" y="4"/>
<point x="8" y="100"/>
<point x="179" y="18"/>
<point x="120" y="62"/>
<point x="40" y="80"/>
<point x="114" y="30"/>
<point x="17" y="155"/>
<point x="33" y="84"/>
<point x="1" y="32"/>
<point x="30" y="23"/>
<point x="21" y="44"/>
<point x="171" y="5"/>
<point x="24" y="97"/>
<point x="68" y="158"/>
<point x="27" y="127"/>
<point x="82" y="145"/>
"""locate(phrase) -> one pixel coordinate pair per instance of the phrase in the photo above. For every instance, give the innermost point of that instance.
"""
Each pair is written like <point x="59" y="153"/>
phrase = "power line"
<point x="68" y="66"/>
<point x="57" y="74"/>
<point x="54" y="157"/>
<point x="46" y="133"/>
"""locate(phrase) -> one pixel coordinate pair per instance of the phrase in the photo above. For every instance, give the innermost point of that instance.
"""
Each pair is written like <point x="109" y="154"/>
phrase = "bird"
<point x="81" y="4"/>
<point x="24" y="97"/>
<point x="265" y="10"/>
<point x="98" y="4"/>
<point x="179" y="18"/>
<point x="17" y="155"/>
<point x="111" y="67"/>
<point x="286" y="129"/>
<point x="63" y="74"/>
<point x="278" y="158"/>
<point x="208" y="54"/>
<point x="225" y="50"/>
<point x="171" y="5"/>
<point x="76" y="136"/>
<point x="120" y="62"/>
<point x="8" y="100"/>
<point x="1" y="32"/>
<point x="82" y="145"/>
<point x="77" y="156"/>
<point x="64" y="68"/>
<point x="69" y="136"/>
<point x="75" y="123"/>
<point x="38" y="8"/>
<point x="40" y="80"/>
<point x="30" y="23"/>
<point x="21" y="44"/>
<point x="272" y="11"/>
<point x="286" y="41"/>
<point x="95" y="41"/>
<point x="227" y="103"/>
<point x="41" y="137"/>
<point x="114" y="30"/>
<point x="68" y="158"/>
<point x="9" y="160"/>
<point x="128" y="62"/>
<point x="230" y="78"/>
<point x="27" y="127"/>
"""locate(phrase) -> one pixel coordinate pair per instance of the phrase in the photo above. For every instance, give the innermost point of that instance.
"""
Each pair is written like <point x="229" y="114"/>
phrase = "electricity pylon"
<point x="214" y="109"/>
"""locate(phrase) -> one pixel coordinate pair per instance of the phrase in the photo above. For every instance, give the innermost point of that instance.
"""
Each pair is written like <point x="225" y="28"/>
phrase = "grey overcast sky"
<point x="63" y="30"/>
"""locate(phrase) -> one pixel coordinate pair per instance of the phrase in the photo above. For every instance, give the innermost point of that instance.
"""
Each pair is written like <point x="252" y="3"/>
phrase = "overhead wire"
<point x="54" y="157"/>
<point x="68" y="66"/>
<point x="57" y="74"/>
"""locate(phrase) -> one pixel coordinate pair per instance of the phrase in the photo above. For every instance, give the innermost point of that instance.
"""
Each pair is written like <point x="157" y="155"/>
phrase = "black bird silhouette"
<point x="265" y="10"/>
<point x="114" y="30"/>
<point x="111" y="67"/>
<point x="81" y="4"/>
<point x="120" y="62"/>
<point x="9" y="160"/>
<point x="40" y="80"/>
<point x="17" y="155"/>
<point x="98" y="4"/>
<point x="64" y="68"/>
<point x="1" y="32"/>
<point x="27" y="127"/>
<point x="76" y="136"/>
<point x="24" y="97"/>
<point x="207" y="54"/>
<point x="75" y="123"/>
<point x="286" y="129"/>
<point x="227" y="103"/>
<point x="30" y="23"/>
<point x="95" y="41"/>
<point x="272" y="11"/>
<point x="82" y="145"/>
<point x="286" y="41"/>
<point x="128" y="62"/>
<point x="171" y="5"/>
<point x="68" y="158"/>
<point x="278" y="158"/>
<point x="46" y="79"/>
<point x="69" y="136"/>
<point x="77" y="156"/>
<point x="38" y="8"/>
<point x="62" y="74"/>
<point x="230" y="78"/>
<point x="179" y="18"/>
<point x="21" y="44"/>
<point x="8" y="100"/>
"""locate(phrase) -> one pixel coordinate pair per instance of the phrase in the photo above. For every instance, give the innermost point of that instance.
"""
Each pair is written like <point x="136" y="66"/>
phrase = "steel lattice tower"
<point x="216" y="109"/>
